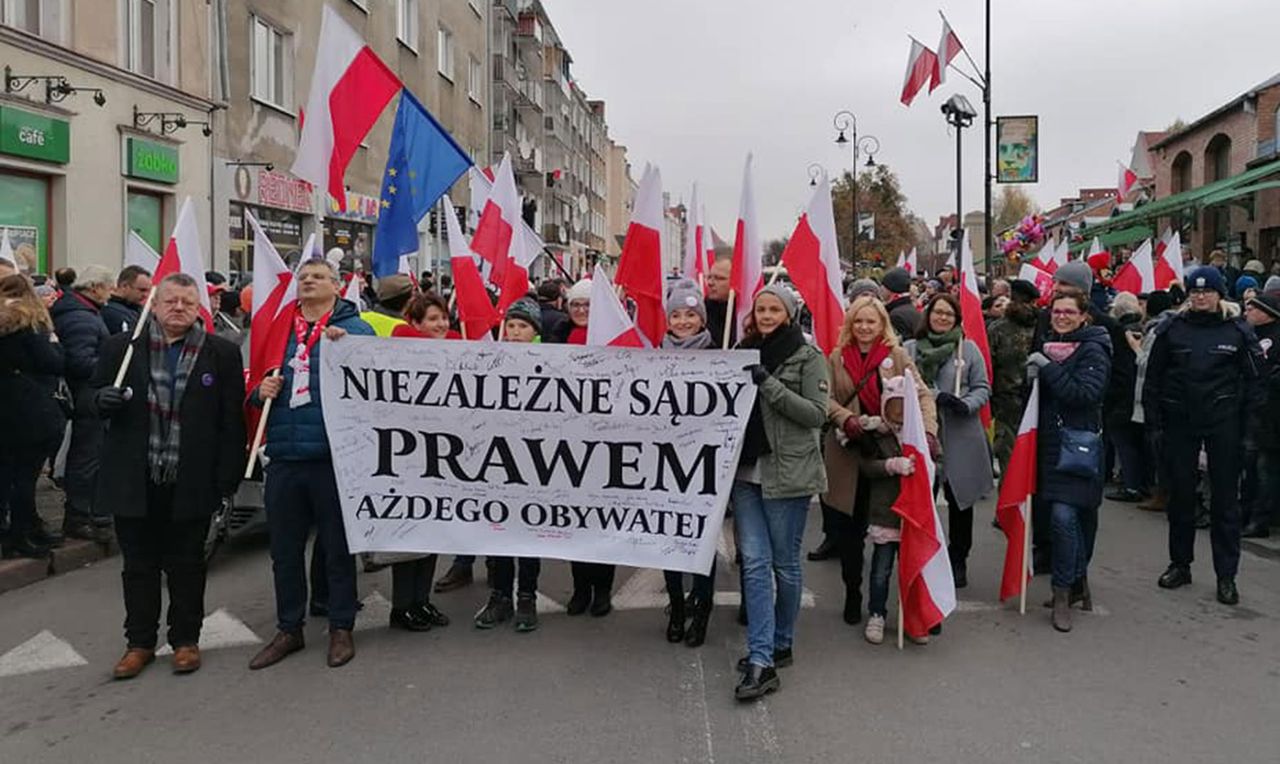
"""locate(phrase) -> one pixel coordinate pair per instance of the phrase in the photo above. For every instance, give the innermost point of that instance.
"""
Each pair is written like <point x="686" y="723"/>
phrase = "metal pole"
<point x="986" y="107"/>
<point x="955" y="241"/>
<point x="857" y="228"/>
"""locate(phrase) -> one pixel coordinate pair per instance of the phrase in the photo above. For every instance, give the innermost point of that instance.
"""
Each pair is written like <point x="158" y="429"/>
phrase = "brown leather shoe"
<point x="342" y="648"/>
<point x="134" y="661"/>
<point x="281" y="646"/>
<point x="186" y="659"/>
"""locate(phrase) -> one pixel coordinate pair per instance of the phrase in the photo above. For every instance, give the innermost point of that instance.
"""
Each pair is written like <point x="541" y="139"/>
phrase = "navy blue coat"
<point x="120" y="315"/>
<point x="295" y="435"/>
<point x="80" y="329"/>
<point x="30" y="365"/>
<point x="1071" y="394"/>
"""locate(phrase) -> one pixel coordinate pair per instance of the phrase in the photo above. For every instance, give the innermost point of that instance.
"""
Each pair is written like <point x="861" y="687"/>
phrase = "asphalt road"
<point x="1152" y="676"/>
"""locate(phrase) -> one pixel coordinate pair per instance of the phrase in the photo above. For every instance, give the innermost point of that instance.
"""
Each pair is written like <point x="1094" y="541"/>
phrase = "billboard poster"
<point x="1018" y="149"/>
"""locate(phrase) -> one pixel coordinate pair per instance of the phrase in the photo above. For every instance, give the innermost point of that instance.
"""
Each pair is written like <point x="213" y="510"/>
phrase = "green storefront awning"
<point x="1191" y="201"/>
<point x="1130" y="235"/>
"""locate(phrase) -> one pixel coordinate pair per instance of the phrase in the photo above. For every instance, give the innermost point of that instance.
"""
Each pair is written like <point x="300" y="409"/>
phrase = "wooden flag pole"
<point x="1026" y="557"/>
<point x="959" y="368"/>
<point x="777" y="271"/>
<point x="262" y="430"/>
<point x="729" y="320"/>
<point x="137" y="332"/>
<point x="900" y="619"/>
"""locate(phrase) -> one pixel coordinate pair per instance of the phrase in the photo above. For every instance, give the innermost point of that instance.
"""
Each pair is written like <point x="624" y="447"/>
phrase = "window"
<point x="21" y="14"/>
<point x="1217" y="159"/>
<point x="1180" y="176"/>
<point x="444" y="53"/>
<point x="475" y="78"/>
<point x="148" y="40"/>
<point x="407" y="23"/>
<point x="271" y="65"/>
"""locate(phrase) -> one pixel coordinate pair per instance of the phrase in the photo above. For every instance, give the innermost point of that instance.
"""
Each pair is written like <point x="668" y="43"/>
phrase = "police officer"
<point x="1203" y="377"/>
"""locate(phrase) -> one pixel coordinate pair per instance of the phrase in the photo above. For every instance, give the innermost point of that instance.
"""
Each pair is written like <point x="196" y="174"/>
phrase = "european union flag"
<point x="423" y="163"/>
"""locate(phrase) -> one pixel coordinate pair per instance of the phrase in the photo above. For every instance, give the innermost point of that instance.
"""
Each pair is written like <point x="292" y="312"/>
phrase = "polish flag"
<point x="911" y="264"/>
<point x="138" y="252"/>
<point x="691" y="265"/>
<point x="6" y="250"/>
<point x="813" y="262"/>
<point x="640" y="264"/>
<point x="1013" y="508"/>
<point x="353" y="291"/>
<point x="476" y="314"/>
<point x="1138" y="276"/>
<point x="925" y="583"/>
<point x="1052" y="256"/>
<point x="747" y="276"/>
<point x="922" y="69"/>
<point x="275" y="293"/>
<point x="1128" y="179"/>
<point x="1169" y="259"/>
<point x="184" y="255"/>
<point x="350" y="87"/>
<point x="1098" y="257"/>
<point x="499" y="220"/>
<point x="706" y="240"/>
<point x="948" y="48"/>
<point x="608" y="323"/>
<point x="1037" y="276"/>
<point x="972" y="324"/>
<point x="481" y="182"/>
<point x="405" y="266"/>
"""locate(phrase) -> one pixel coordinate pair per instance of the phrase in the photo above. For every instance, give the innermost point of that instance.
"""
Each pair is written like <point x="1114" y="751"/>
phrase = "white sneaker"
<point x="924" y="640"/>
<point x="875" y="629"/>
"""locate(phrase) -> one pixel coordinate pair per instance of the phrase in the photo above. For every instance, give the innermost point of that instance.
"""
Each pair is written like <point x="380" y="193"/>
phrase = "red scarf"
<point x="866" y="367"/>
<point x="577" y="336"/>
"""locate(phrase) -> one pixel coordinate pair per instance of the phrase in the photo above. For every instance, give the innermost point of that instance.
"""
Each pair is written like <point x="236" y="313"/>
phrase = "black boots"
<point x="1174" y="576"/>
<point x="697" y="632"/>
<point x="757" y="681"/>
<point x="852" y="606"/>
<point x="1062" y="609"/>
<point x="675" y="620"/>
<point x="602" y="599"/>
<point x="1227" y="593"/>
<point x="579" y="602"/>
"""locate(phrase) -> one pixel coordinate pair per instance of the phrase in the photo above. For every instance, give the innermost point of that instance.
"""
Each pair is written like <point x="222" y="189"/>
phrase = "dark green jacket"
<point x="793" y="402"/>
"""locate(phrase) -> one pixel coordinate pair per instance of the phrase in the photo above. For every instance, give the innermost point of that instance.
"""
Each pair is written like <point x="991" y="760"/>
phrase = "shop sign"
<point x="152" y="161"/>
<point x="34" y="136"/>
<point x="361" y="208"/>
<point x="276" y="189"/>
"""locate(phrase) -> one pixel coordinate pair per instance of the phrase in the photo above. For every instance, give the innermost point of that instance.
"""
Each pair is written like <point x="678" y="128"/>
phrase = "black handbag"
<point x="1079" y="452"/>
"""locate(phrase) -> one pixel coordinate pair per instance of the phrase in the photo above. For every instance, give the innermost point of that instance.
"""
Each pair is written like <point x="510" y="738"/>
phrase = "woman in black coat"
<point x="1073" y="367"/>
<point x="32" y="420"/>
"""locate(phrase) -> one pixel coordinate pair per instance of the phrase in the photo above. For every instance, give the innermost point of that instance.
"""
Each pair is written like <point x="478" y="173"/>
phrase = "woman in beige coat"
<point x="868" y="352"/>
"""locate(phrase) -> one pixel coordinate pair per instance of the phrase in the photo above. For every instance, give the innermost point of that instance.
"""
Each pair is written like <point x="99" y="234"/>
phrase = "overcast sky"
<point x="693" y="85"/>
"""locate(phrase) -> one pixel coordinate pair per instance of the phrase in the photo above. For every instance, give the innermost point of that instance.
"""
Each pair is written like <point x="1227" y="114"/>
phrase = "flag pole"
<point x="729" y="320"/>
<point x="137" y="332"/>
<point x="1026" y="557"/>
<point x="262" y="429"/>
<point x="963" y="50"/>
<point x="900" y="625"/>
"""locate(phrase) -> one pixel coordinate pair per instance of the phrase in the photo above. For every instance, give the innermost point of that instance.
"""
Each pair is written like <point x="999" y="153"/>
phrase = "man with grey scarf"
<point x="174" y="446"/>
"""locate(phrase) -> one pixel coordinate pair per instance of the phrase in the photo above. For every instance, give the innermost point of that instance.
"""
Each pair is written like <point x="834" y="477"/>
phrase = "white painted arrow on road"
<point x="43" y="652"/>
<point x="221" y="629"/>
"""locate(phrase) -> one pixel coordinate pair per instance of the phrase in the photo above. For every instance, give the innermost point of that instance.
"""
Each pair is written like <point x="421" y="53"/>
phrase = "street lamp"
<point x="844" y="121"/>
<point x="960" y="114"/>
<point x="815" y="171"/>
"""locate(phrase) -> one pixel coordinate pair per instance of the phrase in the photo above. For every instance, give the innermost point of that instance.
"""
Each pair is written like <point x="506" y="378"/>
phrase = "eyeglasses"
<point x="577" y="305"/>
<point x="1201" y="291"/>
<point x="944" y="313"/>
<point x="1065" y="312"/>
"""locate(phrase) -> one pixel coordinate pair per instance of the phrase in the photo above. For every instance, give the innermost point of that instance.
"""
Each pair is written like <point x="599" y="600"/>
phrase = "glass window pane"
<point x="261" y="60"/>
<point x="145" y="218"/>
<point x="147" y="38"/>
<point x="31" y="22"/>
<point x="278" y="68"/>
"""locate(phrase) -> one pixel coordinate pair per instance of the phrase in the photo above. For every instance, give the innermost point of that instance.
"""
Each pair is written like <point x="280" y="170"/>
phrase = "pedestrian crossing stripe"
<point x="221" y="629"/>
<point x="43" y="652"/>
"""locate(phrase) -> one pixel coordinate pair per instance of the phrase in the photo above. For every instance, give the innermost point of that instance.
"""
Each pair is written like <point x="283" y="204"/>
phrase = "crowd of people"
<point x="1173" y="396"/>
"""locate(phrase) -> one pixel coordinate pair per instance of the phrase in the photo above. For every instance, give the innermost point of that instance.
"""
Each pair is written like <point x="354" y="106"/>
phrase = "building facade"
<point x="104" y="125"/>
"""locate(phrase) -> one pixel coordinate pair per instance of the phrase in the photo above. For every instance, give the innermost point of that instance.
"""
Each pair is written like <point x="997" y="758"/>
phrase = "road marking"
<point x="983" y="606"/>
<point x="376" y="613"/>
<point x="695" y="719"/>
<point x="221" y="629"/>
<point x="43" y="652"/>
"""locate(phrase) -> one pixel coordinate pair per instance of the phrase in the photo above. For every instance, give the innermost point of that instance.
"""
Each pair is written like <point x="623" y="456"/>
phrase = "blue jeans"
<point x="770" y="532"/>
<point x="881" y="572"/>
<point x="1070" y="545"/>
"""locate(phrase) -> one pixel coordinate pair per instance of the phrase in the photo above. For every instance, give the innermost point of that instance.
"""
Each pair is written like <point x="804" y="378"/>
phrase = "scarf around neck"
<point x="864" y="371"/>
<point x="164" y="399"/>
<point x="700" y="341"/>
<point x="933" y="350"/>
<point x="774" y="349"/>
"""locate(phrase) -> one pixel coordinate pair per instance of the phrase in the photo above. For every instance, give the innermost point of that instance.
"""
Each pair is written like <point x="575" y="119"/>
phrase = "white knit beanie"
<point x="579" y="291"/>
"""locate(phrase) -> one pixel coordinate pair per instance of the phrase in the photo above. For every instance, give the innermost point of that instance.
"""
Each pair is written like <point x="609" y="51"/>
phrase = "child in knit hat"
<point x="686" y="317"/>
<point x="523" y="322"/>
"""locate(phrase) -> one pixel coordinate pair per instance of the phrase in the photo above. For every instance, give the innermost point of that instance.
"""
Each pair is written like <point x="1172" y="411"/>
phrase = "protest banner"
<point x="600" y="454"/>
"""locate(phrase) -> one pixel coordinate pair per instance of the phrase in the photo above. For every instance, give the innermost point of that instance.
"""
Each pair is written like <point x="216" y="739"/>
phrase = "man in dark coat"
<point x="175" y="446"/>
<point x="717" y="302"/>
<point x="79" y="325"/>
<point x="124" y="307"/>
<point x="896" y="292"/>
<point x="1203" y="380"/>
<point x="551" y="300"/>
<point x="1263" y="312"/>
<point x="1010" y="337"/>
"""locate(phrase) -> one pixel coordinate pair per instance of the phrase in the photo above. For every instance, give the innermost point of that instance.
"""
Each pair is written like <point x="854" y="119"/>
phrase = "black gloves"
<point x="758" y="373"/>
<point x="108" y="400"/>
<point x="952" y="403"/>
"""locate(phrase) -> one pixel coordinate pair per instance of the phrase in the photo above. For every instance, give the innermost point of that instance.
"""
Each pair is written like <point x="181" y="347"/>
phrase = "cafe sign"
<point x="149" y="160"/>
<point x="34" y="136"/>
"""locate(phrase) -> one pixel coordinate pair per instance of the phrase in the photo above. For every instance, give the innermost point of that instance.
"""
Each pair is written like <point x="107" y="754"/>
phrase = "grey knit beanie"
<point x="784" y="293"/>
<point x="686" y="294"/>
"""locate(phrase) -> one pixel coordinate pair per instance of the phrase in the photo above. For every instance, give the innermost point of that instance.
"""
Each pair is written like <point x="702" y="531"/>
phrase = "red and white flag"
<point x="350" y="87"/>
<point x="1013" y="508"/>
<point x="608" y="323"/>
<point x="706" y="240"/>
<point x="1052" y="256"/>
<point x="925" y="582"/>
<point x="1098" y="258"/>
<point x="136" y="252"/>
<point x="691" y="264"/>
<point x="972" y="324"/>
<point x="481" y="182"/>
<point x="1168" y="256"/>
<point x="911" y="264"/>
<point x="1127" y="180"/>
<point x="813" y="263"/>
<point x="275" y="293"/>
<point x="499" y="221"/>
<point x="922" y="69"/>
<point x="948" y="48"/>
<point x="476" y="314"/>
<point x="640" y="264"/>
<point x="1138" y="276"/>
<point x="1037" y="276"/>
<point x="747" y="275"/>
<point x="184" y="255"/>
<point x="353" y="291"/>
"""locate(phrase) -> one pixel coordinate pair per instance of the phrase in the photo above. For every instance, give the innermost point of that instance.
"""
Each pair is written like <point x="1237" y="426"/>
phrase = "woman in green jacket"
<point x="779" y="472"/>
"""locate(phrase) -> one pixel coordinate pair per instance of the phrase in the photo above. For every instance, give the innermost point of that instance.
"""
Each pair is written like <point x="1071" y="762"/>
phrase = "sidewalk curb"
<point x="75" y="553"/>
